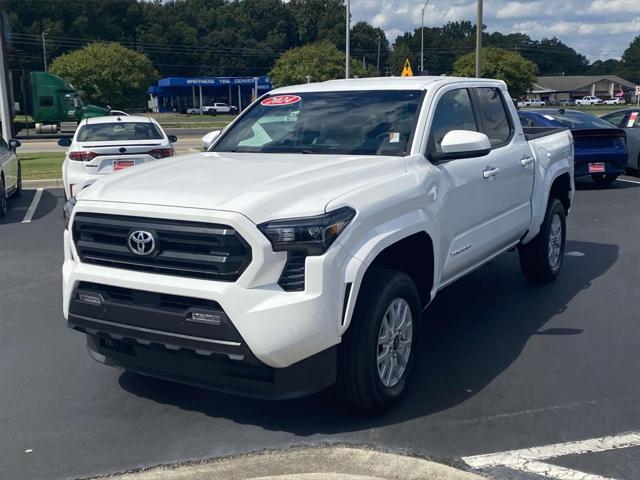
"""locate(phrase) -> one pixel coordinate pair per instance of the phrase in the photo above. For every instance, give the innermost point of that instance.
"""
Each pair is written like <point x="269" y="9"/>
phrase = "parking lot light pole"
<point x="479" y="39"/>
<point x="346" y="62"/>
<point x="422" y="37"/>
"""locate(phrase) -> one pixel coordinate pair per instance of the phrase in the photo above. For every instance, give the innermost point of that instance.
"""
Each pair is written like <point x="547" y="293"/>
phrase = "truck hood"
<point x="260" y="186"/>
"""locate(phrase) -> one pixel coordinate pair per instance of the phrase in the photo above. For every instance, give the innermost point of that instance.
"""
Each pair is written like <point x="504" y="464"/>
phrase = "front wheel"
<point x="541" y="258"/>
<point x="604" y="179"/>
<point x="378" y="351"/>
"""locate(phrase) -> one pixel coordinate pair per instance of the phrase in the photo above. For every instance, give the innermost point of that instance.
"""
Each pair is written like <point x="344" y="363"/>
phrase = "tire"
<point x="3" y="199"/>
<point x="539" y="263"/>
<point x="18" y="191"/>
<point x="362" y="381"/>
<point x="604" y="179"/>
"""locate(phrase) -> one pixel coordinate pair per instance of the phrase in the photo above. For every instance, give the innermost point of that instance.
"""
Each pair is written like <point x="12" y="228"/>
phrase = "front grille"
<point x="187" y="249"/>
<point x="292" y="278"/>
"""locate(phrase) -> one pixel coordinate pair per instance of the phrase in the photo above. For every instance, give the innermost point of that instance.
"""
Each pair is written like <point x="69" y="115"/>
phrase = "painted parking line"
<point x="528" y="460"/>
<point x="32" y="208"/>
<point x="628" y="181"/>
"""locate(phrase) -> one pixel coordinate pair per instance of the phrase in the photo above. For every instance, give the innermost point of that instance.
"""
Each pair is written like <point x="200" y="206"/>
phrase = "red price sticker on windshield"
<point x="278" y="100"/>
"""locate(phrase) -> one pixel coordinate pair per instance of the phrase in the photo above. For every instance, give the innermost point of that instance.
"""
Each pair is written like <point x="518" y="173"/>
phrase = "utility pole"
<point x="5" y="109"/>
<point x="346" y="62"/>
<point x="44" y="48"/>
<point x="378" y="63"/>
<point x="479" y="40"/>
<point x="422" y="37"/>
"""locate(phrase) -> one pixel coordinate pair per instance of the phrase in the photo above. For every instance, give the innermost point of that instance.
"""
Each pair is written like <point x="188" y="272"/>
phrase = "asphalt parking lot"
<point x="503" y="366"/>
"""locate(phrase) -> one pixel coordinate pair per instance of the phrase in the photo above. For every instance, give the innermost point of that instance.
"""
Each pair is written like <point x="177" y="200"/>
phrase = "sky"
<point x="598" y="29"/>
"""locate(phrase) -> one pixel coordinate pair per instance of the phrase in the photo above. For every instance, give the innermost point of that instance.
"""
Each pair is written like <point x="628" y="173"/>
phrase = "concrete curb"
<point x="317" y="463"/>
<point x="44" y="183"/>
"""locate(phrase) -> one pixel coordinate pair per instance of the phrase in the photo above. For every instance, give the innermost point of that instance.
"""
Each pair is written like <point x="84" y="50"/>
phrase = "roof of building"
<point x="569" y="83"/>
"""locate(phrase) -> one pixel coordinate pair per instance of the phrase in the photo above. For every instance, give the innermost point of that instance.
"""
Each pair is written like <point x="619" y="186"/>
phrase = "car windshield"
<point x="579" y="120"/>
<point x="118" y="131"/>
<point x="354" y="122"/>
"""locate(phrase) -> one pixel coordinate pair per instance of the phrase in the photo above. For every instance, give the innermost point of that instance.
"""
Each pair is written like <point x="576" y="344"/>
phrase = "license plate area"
<point x="120" y="164"/>
<point x="596" y="168"/>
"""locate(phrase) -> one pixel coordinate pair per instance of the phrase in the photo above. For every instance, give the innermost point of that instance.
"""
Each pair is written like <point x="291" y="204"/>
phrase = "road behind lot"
<point x="504" y="366"/>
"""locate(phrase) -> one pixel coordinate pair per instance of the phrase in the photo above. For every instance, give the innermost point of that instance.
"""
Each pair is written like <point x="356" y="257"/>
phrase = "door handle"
<point x="490" y="172"/>
<point x="526" y="161"/>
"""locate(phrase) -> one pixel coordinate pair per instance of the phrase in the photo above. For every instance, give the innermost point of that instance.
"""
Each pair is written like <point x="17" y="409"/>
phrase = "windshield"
<point x="118" y="131"/>
<point x="579" y="120"/>
<point x="359" y="123"/>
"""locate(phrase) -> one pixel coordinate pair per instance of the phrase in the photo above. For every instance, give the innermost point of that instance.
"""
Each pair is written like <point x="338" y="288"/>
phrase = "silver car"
<point x="10" y="173"/>
<point x="629" y="120"/>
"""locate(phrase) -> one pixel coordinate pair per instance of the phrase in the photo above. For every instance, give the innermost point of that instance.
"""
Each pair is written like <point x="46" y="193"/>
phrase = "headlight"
<point x="67" y="210"/>
<point x="313" y="235"/>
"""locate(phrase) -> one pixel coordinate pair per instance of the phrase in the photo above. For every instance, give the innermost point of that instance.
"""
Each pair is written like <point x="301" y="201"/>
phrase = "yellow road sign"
<point x="406" y="71"/>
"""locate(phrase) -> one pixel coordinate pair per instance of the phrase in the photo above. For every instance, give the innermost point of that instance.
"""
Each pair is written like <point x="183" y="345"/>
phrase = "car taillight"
<point x="161" y="152"/>
<point x="82" y="156"/>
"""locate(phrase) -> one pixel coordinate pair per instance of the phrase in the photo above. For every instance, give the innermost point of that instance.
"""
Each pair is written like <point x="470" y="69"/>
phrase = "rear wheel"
<point x="541" y="258"/>
<point x="378" y="351"/>
<point x="3" y="199"/>
<point x="604" y="179"/>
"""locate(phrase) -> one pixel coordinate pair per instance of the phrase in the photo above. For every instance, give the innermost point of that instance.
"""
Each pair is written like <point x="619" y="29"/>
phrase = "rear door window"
<point x="453" y="112"/>
<point x="496" y="120"/>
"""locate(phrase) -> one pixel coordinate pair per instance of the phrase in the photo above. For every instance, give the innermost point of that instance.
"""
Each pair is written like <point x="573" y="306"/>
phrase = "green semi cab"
<point x="54" y="101"/>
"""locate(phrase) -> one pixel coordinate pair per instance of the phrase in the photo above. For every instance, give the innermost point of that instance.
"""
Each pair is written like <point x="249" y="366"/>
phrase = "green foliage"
<point x="320" y="60"/>
<point x="517" y="72"/>
<point x="630" y="64"/>
<point x="107" y="74"/>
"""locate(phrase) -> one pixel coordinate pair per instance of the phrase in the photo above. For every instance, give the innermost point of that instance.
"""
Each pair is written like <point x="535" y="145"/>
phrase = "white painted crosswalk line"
<point x="528" y="459"/>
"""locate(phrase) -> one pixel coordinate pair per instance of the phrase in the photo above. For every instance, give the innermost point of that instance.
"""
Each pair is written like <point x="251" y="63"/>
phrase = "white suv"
<point x="301" y="249"/>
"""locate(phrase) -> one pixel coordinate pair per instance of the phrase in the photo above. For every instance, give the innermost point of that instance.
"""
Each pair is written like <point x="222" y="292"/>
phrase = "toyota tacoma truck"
<point x="301" y="249"/>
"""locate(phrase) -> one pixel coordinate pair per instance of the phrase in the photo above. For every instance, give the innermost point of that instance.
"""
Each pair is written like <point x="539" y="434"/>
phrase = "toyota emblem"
<point x="142" y="242"/>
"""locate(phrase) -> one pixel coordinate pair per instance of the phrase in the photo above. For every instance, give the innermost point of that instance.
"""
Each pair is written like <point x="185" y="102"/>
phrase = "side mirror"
<point x="172" y="138"/>
<point x="209" y="138"/>
<point x="462" y="144"/>
<point x="64" y="142"/>
<point x="13" y="144"/>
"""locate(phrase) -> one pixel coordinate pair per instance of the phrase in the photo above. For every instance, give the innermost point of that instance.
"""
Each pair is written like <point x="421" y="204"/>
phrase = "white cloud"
<point x="595" y="28"/>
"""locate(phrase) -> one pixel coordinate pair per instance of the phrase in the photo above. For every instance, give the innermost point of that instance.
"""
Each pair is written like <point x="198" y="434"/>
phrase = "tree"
<point x="518" y="72"/>
<point x="630" y="68"/>
<point x="320" y="60"/>
<point x="107" y="73"/>
<point x="364" y="43"/>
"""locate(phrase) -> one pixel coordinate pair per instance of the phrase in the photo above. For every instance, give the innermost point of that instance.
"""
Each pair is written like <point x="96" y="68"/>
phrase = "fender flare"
<point x="376" y="241"/>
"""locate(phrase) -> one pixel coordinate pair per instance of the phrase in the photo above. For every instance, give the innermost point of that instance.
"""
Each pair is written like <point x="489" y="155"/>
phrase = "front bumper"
<point x="217" y="372"/>
<point x="277" y="328"/>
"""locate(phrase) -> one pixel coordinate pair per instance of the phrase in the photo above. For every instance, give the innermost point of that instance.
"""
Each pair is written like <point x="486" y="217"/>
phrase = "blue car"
<point x="600" y="147"/>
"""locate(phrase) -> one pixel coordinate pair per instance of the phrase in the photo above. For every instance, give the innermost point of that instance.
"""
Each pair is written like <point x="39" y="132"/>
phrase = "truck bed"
<point x="531" y="133"/>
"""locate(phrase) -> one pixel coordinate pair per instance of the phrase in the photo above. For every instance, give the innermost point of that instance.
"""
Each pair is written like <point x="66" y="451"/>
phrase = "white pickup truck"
<point x="589" y="100"/>
<point x="301" y="249"/>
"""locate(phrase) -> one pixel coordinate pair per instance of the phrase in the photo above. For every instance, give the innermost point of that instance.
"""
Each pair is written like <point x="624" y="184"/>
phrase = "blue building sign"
<point x="183" y="93"/>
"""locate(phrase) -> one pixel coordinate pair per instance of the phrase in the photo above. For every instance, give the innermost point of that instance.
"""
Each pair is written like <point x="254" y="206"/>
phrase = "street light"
<point x="422" y="37"/>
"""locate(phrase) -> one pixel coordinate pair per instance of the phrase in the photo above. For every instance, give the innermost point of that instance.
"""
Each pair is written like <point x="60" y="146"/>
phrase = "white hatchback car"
<point x="103" y="145"/>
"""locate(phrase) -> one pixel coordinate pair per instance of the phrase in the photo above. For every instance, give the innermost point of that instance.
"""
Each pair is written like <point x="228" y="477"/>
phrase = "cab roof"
<point x="380" y="83"/>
